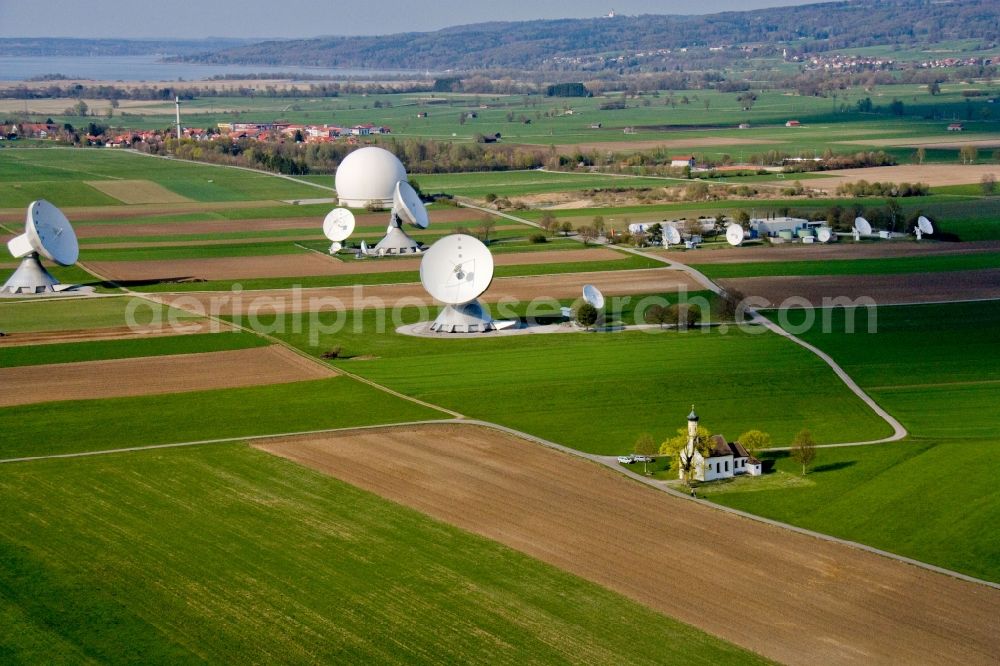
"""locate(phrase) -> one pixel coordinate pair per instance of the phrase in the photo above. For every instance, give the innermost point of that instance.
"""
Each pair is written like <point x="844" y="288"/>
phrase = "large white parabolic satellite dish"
<point x="48" y="233"/>
<point x="862" y="226"/>
<point x="407" y="202"/>
<point x="824" y="235"/>
<point x="925" y="225"/>
<point x="456" y="270"/>
<point x="735" y="235"/>
<point x="671" y="235"/>
<point x="338" y="224"/>
<point x="406" y="207"/>
<point x="593" y="295"/>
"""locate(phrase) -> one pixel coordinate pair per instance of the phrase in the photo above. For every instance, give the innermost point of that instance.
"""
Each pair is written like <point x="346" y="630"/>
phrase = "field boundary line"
<point x="221" y="440"/>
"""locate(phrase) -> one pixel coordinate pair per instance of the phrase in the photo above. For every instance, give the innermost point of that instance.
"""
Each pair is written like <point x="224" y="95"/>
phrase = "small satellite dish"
<point x="671" y="235"/>
<point x="338" y="224"/>
<point x="593" y="295"/>
<point x="823" y="235"/>
<point x="862" y="226"/>
<point x="49" y="234"/>
<point x="735" y="235"/>
<point x="456" y="269"/>
<point x="335" y="247"/>
<point x="408" y="203"/>
<point x="925" y="225"/>
<point x="364" y="247"/>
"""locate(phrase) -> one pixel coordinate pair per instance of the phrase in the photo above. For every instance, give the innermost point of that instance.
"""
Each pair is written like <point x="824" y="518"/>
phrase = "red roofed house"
<point x="724" y="461"/>
<point x="682" y="161"/>
<point x="955" y="127"/>
<point x="793" y="123"/>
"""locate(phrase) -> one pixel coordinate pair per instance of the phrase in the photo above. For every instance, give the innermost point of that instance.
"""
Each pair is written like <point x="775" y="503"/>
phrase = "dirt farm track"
<point x="788" y="596"/>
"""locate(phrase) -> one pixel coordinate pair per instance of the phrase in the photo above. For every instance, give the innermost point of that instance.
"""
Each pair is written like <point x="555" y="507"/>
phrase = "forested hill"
<point x="634" y="42"/>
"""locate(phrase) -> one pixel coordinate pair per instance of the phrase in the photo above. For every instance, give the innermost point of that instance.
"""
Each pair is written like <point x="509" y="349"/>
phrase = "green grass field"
<point x="80" y="313"/>
<point x="596" y="392"/>
<point x="92" y="425"/>
<point x="929" y="498"/>
<point x="60" y="175"/>
<point x="227" y="554"/>
<point x="917" y="264"/>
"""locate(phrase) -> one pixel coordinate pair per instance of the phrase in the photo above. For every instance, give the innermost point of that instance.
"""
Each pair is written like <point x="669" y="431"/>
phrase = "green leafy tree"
<point x="676" y="448"/>
<point x="755" y="440"/>
<point x="662" y="315"/>
<point x="586" y="315"/>
<point x="804" y="449"/>
<point x="566" y="228"/>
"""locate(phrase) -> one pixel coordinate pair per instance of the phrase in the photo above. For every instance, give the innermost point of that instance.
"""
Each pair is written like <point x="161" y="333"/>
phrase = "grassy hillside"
<point x="224" y="554"/>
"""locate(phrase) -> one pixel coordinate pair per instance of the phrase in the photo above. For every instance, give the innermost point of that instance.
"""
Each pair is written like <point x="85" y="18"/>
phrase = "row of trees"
<point x="863" y="188"/>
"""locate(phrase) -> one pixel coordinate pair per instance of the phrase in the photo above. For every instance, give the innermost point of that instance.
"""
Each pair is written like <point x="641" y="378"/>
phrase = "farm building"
<point x="682" y="161"/>
<point x="955" y="127"/>
<point x="793" y="123"/>
<point x="725" y="460"/>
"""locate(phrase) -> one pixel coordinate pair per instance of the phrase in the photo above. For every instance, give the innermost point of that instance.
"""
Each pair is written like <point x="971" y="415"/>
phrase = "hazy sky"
<point x="309" y="18"/>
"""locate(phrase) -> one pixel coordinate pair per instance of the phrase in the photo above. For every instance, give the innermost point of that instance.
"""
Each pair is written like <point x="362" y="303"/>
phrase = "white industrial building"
<point x="724" y="461"/>
<point x="775" y="225"/>
<point x="368" y="176"/>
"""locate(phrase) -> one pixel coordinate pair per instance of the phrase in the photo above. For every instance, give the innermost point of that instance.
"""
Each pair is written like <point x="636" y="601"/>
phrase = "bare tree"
<point x="804" y="449"/>
<point x="486" y="226"/>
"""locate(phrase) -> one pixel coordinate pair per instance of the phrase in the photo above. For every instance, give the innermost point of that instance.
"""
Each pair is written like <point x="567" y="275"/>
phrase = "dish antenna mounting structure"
<point x="456" y="270"/>
<point x="406" y="207"/>
<point x="824" y="235"/>
<point x="47" y="233"/>
<point x="337" y="226"/>
<point x="735" y="235"/>
<point x="593" y="296"/>
<point x="924" y="226"/>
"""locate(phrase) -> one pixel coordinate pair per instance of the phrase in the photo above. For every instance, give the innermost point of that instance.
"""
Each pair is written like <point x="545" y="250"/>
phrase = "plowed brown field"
<point x="156" y="374"/>
<point x="788" y="596"/>
<point x="566" y="285"/>
<point x="884" y="289"/>
<point x="111" y="333"/>
<point x="311" y="264"/>
<point x="932" y="174"/>
<point x="799" y="252"/>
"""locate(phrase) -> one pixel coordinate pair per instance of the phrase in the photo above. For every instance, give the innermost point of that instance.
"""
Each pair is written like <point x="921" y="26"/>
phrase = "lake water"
<point x="147" y="68"/>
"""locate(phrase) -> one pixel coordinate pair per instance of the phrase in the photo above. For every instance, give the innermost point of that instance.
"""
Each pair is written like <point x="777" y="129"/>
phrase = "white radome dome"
<point x="368" y="175"/>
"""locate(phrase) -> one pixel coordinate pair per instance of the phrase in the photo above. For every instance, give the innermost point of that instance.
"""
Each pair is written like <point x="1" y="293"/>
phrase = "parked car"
<point x="626" y="460"/>
<point x="643" y="459"/>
